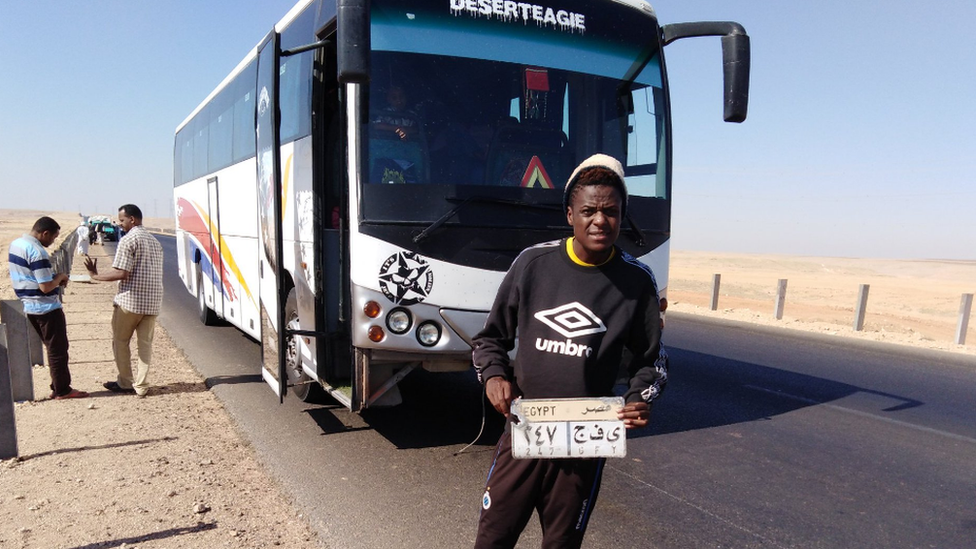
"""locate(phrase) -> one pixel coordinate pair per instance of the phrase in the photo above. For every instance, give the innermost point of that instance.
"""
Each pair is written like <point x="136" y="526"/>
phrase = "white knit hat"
<point x="598" y="160"/>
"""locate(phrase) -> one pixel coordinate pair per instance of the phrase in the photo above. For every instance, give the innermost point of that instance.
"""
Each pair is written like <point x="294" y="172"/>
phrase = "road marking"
<point x="870" y="415"/>
<point x="696" y="507"/>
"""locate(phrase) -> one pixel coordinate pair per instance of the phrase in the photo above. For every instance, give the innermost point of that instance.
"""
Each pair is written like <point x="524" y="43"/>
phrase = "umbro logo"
<point x="572" y="320"/>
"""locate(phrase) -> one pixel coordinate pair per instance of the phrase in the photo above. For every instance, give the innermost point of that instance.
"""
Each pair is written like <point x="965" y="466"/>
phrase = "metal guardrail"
<point x="62" y="257"/>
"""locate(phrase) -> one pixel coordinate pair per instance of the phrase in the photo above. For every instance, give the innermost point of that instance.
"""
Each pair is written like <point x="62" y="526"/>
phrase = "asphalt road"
<point x="764" y="438"/>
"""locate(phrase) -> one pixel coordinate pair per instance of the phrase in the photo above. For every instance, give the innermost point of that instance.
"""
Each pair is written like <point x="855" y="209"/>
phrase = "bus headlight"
<point x="428" y="333"/>
<point x="398" y="321"/>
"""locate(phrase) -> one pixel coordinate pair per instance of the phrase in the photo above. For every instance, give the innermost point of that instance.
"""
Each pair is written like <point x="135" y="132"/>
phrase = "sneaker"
<point x="75" y="393"/>
<point x="115" y="388"/>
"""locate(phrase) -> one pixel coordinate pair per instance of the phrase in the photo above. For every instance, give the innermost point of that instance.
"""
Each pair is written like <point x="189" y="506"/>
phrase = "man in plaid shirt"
<point x="138" y="267"/>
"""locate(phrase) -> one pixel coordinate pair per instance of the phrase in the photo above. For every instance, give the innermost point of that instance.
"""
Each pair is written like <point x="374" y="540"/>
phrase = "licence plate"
<point x="568" y="428"/>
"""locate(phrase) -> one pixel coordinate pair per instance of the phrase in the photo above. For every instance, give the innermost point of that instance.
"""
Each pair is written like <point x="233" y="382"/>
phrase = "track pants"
<point x="53" y="329"/>
<point x="563" y="491"/>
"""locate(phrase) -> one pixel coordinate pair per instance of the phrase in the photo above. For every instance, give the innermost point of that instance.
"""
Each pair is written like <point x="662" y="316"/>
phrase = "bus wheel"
<point x="303" y="386"/>
<point x="207" y="316"/>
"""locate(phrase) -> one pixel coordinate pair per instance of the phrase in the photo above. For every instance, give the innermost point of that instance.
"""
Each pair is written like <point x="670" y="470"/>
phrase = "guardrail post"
<point x="862" y="305"/>
<point x="780" y="298"/>
<point x="8" y="423"/>
<point x="965" y="307"/>
<point x="22" y="349"/>
<point x="716" y="280"/>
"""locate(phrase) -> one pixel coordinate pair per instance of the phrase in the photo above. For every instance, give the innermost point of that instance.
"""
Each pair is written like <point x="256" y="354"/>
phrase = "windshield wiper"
<point x="484" y="200"/>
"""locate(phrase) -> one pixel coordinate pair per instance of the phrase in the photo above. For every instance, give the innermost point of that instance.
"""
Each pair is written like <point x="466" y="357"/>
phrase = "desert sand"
<point x="172" y="470"/>
<point x="910" y="302"/>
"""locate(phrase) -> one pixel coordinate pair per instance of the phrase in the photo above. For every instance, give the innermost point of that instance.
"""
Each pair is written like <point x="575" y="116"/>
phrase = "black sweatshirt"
<point x="572" y="323"/>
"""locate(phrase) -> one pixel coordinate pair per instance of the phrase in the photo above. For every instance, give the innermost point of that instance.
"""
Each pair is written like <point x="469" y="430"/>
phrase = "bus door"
<point x="216" y="259"/>
<point x="270" y="284"/>
<point x="334" y="358"/>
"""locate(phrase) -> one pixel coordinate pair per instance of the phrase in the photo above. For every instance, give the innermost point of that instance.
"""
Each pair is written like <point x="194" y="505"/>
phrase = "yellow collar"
<point x="578" y="261"/>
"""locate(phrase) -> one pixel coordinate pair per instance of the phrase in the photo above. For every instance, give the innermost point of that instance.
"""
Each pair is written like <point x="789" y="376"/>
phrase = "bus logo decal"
<point x="406" y="278"/>
<point x="521" y="12"/>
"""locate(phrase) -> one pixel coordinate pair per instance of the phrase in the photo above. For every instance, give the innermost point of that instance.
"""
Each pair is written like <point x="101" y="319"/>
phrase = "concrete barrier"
<point x="965" y="308"/>
<point x="862" y="307"/>
<point x="780" y="299"/>
<point x="8" y="423"/>
<point x="716" y="282"/>
<point x="23" y="349"/>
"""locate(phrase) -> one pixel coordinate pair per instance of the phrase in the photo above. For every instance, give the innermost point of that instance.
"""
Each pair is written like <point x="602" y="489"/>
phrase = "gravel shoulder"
<point x="113" y="470"/>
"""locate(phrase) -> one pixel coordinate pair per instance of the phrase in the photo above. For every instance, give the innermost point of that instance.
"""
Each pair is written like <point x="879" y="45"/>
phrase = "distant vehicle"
<point x="360" y="234"/>
<point x="109" y="232"/>
<point x="103" y="224"/>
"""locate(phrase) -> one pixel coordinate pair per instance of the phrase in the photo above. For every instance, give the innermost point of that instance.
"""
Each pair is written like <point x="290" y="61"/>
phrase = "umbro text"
<point x="567" y="347"/>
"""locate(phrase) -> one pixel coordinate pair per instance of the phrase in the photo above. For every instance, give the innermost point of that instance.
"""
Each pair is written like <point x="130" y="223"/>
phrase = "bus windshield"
<point x="510" y="118"/>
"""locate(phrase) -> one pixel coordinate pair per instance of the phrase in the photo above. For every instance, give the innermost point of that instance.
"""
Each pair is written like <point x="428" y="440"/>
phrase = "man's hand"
<point x="635" y="415"/>
<point x="91" y="265"/>
<point x="499" y="391"/>
<point x="60" y="279"/>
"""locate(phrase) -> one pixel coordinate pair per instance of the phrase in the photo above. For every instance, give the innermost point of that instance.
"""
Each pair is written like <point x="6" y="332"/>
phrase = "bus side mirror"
<point x="735" y="59"/>
<point x="735" y="68"/>
<point x="352" y="22"/>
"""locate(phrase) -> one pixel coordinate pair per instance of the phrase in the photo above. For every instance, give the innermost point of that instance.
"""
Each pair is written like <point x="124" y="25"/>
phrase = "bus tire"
<point x="300" y="384"/>
<point x="207" y="315"/>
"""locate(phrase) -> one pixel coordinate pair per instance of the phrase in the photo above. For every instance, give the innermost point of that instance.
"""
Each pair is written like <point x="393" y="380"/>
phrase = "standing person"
<point x="38" y="287"/>
<point x="83" y="243"/>
<point x="606" y="300"/>
<point x="138" y="266"/>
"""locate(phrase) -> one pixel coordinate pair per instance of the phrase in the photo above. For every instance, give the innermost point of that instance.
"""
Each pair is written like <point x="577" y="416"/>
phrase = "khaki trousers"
<point x="124" y="324"/>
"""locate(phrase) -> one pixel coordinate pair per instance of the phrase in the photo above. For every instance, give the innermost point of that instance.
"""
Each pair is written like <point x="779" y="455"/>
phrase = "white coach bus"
<point x="353" y="192"/>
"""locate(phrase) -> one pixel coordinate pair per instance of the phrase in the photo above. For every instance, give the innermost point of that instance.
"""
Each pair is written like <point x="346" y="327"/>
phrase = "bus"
<point x="353" y="192"/>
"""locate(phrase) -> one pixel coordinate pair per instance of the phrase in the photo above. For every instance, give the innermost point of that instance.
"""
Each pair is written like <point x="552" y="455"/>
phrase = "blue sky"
<point x="860" y="141"/>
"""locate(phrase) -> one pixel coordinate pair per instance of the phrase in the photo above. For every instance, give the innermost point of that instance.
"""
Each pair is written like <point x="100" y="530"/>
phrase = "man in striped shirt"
<point x="138" y="266"/>
<point x="37" y="286"/>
